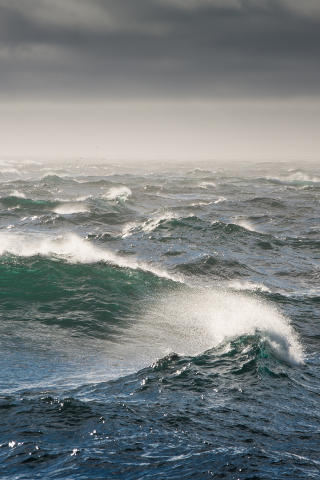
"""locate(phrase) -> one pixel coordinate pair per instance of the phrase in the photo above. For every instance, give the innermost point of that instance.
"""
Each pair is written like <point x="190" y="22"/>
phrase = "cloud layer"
<point x="158" y="49"/>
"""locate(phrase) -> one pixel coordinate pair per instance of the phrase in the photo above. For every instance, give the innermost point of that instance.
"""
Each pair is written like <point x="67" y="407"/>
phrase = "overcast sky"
<point x="160" y="78"/>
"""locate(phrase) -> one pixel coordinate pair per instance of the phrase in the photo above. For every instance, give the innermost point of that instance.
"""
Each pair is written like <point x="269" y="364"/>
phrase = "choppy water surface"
<point x="159" y="321"/>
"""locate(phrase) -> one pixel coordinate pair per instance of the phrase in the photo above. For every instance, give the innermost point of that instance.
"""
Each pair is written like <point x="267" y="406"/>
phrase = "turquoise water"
<point x="159" y="320"/>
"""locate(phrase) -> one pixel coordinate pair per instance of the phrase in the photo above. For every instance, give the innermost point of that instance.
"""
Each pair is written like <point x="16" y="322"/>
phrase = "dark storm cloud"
<point x="158" y="49"/>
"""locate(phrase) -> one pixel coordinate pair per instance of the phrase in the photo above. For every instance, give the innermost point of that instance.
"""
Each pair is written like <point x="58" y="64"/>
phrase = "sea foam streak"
<point x="73" y="249"/>
<point x="194" y="321"/>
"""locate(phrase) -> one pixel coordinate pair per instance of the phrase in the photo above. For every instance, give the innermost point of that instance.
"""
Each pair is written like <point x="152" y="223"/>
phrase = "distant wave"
<point x="199" y="171"/>
<point x="213" y="266"/>
<point x="53" y="178"/>
<point x="71" y="207"/>
<point x="296" y="178"/>
<point x="153" y="189"/>
<point x="73" y="249"/>
<point x="246" y="224"/>
<point x="18" y="194"/>
<point x="154" y="222"/>
<point x="207" y="185"/>
<point x="174" y="220"/>
<point x="121" y="193"/>
<point x="247" y="286"/>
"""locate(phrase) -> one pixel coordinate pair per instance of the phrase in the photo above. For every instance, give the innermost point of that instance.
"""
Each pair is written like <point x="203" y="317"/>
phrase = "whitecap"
<point x="207" y="185"/>
<point x="245" y="224"/>
<point x="296" y="177"/>
<point x="128" y="229"/>
<point x="199" y="204"/>
<point x="73" y="249"/>
<point x="201" y="320"/>
<point x="70" y="208"/>
<point x="118" y="192"/>
<point x="152" y="223"/>
<point x="303" y="177"/>
<point x="18" y="194"/>
<point x="82" y="198"/>
<point x="248" y="286"/>
<point x="221" y="199"/>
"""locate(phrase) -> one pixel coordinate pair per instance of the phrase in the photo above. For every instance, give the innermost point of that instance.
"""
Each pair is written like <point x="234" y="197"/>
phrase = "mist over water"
<point x="159" y="319"/>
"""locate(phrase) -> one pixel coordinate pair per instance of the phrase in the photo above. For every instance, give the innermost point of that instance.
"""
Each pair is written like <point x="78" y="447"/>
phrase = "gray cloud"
<point x="124" y="49"/>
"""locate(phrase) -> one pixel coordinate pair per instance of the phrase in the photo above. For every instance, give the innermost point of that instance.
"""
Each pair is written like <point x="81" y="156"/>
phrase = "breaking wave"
<point x="121" y="193"/>
<point x="72" y="249"/>
<point x="296" y="178"/>
<point x="191" y="322"/>
<point x="69" y="208"/>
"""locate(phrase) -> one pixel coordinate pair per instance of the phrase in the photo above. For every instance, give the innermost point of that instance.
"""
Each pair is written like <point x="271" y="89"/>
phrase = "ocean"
<point x="159" y="319"/>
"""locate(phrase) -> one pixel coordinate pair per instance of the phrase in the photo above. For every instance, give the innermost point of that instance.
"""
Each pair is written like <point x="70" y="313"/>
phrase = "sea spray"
<point x="73" y="249"/>
<point x="69" y="208"/>
<point x="121" y="193"/>
<point x="189" y="322"/>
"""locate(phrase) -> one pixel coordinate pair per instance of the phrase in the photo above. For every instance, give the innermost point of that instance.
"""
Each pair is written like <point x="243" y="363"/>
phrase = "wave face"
<point x="159" y="322"/>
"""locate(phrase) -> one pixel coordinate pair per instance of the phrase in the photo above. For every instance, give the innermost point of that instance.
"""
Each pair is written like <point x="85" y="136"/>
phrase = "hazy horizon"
<point x="237" y="79"/>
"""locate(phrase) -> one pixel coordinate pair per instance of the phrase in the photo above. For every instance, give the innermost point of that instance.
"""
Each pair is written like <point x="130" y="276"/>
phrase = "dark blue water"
<point x="159" y="320"/>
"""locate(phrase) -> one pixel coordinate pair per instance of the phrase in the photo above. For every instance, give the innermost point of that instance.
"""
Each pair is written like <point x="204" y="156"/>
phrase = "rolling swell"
<point x="159" y="323"/>
<point x="215" y="267"/>
<point x="91" y="299"/>
<point x="223" y="395"/>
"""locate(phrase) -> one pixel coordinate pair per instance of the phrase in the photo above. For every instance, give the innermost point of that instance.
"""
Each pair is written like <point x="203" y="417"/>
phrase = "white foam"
<point x="129" y="228"/>
<point x="118" y="192"/>
<point x="221" y="199"/>
<point x="245" y="224"/>
<point x="83" y="198"/>
<point x="153" y="223"/>
<point x="72" y="249"/>
<point x="303" y="177"/>
<point x="196" y="204"/>
<point x="247" y="286"/>
<point x="207" y="185"/>
<point x="69" y="208"/>
<point x="148" y="226"/>
<point x="18" y="194"/>
<point x="296" y="176"/>
<point x="191" y="322"/>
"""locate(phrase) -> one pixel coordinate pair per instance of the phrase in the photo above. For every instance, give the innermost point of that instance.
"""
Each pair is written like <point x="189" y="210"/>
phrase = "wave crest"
<point x="192" y="322"/>
<point x="73" y="249"/>
<point x="121" y="193"/>
<point x="70" y="208"/>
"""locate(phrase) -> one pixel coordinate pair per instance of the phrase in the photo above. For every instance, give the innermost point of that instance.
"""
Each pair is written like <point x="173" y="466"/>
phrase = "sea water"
<point x="159" y="319"/>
